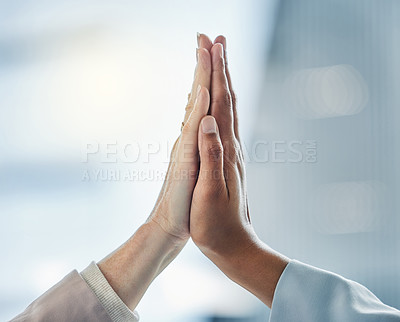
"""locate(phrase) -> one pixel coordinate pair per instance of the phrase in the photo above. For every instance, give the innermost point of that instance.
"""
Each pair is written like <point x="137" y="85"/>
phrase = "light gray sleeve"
<point x="309" y="294"/>
<point x="111" y="302"/>
<point x="69" y="300"/>
<point x="84" y="297"/>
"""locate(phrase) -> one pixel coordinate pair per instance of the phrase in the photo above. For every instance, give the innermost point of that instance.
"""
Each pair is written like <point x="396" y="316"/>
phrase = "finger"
<point x="184" y="155"/>
<point x="204" y="42"/>
<point x="202" y="77"/>
<point x="211" y="179"/>
<point x="221" y="103"/>
<point x="222" y="40"/>
<point x="204" y="45"/>
<point x="188" y="145"/>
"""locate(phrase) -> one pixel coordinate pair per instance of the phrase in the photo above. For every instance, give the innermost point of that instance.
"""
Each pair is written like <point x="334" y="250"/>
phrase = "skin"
<point x="220" y="223"/>
<point x="211" y="206"/>
<point x="132" y="267"/>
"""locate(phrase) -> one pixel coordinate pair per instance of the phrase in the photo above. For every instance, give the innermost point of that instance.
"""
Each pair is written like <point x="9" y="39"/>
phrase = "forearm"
<point x="256" y="267"/>
<point x="133" y="266"/>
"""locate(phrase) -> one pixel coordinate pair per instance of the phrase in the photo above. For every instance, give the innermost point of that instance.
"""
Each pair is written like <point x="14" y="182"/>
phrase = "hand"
<point x="225" y="226"/>
<point x="171" y="211"/>
<point x="133" y="266"/>
<point x="220" y="223"/>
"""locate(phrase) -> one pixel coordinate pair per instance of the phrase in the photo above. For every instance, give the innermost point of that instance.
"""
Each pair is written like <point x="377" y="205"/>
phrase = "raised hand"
<point x="222" y="176"/>
<point x="219" y="218"/>
<point x="134" y="265"/>
<point x="171" y="211"/>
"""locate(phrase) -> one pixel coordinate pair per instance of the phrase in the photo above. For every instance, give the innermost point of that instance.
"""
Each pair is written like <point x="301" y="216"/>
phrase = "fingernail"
<point x="197" y="54"/>
<point x="198" y="39"/>
<point x="209" y="125"/>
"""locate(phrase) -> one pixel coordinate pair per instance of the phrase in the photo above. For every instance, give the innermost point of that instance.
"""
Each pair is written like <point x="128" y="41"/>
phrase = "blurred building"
<point x="331" y="77"/>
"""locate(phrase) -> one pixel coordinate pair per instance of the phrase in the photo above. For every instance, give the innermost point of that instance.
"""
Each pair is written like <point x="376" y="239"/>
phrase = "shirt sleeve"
<point x="306" y="293"/>
<point x="71" y="299"/>
<point x="111" y="302"/>
<point x="82" y="297"/>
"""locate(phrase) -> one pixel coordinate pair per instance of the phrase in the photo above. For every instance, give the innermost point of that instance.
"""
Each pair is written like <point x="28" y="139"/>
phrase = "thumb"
<point x="211" y="156"/>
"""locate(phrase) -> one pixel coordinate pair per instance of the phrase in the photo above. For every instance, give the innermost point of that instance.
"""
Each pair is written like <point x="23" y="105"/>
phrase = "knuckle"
<point x="232" y="151"/>
<point x="214" y="151"/>
<point x="202" y="51"/>
<point x="189" y="105"/>
<point x="187" y="128"/>
<point x="219" y="64"/>
<point x="223" y="99"/>
<point x="234" y="98"/>
<point x="237" y="145"/>
<point x="204" y="58"/>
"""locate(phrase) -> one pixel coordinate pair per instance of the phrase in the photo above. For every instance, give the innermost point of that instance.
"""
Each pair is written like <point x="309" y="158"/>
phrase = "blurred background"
<point x="318" y="106"/>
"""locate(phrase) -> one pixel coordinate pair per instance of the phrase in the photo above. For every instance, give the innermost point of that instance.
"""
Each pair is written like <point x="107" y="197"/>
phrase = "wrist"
<point x="229" y="251"/>
<point x="167" y="240"/>
<point x="132" y="267"/>
<point x="176" y="226"/>
<point x="255" y="266"/>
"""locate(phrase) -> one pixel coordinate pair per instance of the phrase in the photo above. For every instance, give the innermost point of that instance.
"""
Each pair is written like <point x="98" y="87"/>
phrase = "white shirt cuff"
<point x="110" y="300"/>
